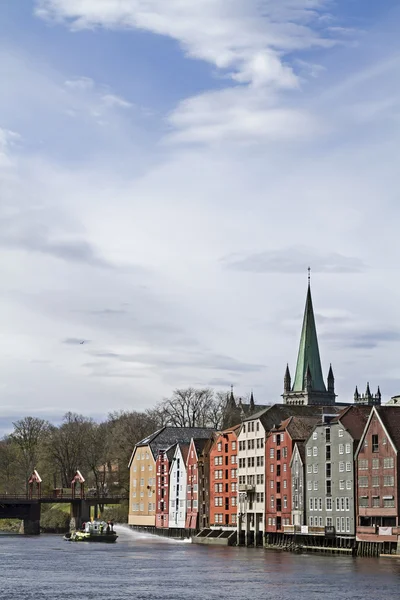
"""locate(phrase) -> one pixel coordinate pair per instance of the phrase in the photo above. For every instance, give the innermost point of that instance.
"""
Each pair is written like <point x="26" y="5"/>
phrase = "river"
<point x="144" y="567"/>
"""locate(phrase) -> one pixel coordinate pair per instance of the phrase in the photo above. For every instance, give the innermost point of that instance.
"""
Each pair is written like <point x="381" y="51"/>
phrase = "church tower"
<point x="308" y="384"/>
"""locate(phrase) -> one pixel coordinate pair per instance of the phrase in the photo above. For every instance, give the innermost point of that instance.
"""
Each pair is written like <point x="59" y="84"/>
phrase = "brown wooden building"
<point x="377" y="464"/>
<point x="223" y="479"/>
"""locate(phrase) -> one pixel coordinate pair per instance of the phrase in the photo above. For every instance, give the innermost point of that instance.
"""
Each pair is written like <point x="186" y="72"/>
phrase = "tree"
<point x="67" y="446"/>
<point x="192" y="407"/>
<point x="28" y="436"/>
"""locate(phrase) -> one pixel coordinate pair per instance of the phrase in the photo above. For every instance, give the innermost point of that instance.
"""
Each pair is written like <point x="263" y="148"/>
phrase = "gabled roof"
<point x="354" y="418"/>
<point x="298" y="427"/>
<point x="389" y="417"/>
<point x="166" y="437"/>
<point x="301" y="447"/>
<point x="308" y="357"/>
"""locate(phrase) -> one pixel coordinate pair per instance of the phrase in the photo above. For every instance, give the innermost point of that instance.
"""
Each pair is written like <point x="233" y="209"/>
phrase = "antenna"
<point x="309" y="275"/>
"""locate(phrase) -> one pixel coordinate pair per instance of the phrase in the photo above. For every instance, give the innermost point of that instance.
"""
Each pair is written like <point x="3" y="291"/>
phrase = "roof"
<point x="275" y="414"/>
<point x="308" y="356"/>
<point x="200" y="444"/>
<point x="302" y="451"/>
<point x="390" y="417"/>
<point x="184" y="451"/>
<point x="164" y="438"/>
<point x="299" y="427"/>
<point x="354" y="419"/>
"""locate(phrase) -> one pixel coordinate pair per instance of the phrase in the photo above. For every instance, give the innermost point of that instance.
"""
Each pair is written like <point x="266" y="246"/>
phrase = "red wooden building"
<point x="278" y="484"/>
<point x="163" y="464"/>
<point x="377" y="464"/>
<point x="194" y="482"/>
<point x="223" y="479"/>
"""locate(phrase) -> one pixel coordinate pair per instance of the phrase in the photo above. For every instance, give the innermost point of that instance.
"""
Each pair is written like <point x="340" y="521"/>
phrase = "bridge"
<point x="27" y="507"/>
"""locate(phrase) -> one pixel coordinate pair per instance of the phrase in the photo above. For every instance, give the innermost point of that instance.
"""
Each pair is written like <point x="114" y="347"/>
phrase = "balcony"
<point x="246" y="487"/>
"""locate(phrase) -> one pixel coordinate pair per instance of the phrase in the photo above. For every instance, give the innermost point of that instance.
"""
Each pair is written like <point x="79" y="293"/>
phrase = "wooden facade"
<point x="142" y="501"/>
<point x="223" y="479"/>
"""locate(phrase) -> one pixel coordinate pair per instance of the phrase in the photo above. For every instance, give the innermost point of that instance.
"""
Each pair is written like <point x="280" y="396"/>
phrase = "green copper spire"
<point x="308" y="356"/>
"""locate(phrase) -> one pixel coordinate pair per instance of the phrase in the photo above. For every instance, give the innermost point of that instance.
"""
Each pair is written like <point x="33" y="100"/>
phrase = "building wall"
<point x="177" y="491"/>
<point x="142" y="496"/>
<point x="192" y="511"/>
<point x="223" y="480"/>
<point x="251" y="475"/>
<point x="329" y="473"/>
<point x="278" y="508"/>
<point x="204" y="486"/>
<point x="297" y="486"/>
<point x="162" y="490"/>
<point x="377" y="485"/>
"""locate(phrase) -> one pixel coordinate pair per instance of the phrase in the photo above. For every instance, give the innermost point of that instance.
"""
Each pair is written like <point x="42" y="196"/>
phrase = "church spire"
<point x="308" y="356"/>
<point x="287" y="380"/>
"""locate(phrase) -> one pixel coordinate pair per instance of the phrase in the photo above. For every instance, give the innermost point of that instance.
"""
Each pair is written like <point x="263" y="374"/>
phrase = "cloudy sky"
<point x="168" y="171"/>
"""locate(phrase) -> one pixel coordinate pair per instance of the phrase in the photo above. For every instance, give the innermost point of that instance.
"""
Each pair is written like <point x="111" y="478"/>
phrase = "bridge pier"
<point x="80" y="513"/>
<point x="31" y="522"/>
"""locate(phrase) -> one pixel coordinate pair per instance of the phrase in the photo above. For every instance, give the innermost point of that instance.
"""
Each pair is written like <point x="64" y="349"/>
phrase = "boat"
<point x="93" y="531"/>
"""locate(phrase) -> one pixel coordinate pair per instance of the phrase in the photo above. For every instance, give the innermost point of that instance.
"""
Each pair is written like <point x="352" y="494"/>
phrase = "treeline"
<point x="101" y="451"/>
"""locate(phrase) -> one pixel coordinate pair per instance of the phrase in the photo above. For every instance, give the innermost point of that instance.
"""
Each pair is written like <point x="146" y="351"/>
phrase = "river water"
<point x="144" y="567"/>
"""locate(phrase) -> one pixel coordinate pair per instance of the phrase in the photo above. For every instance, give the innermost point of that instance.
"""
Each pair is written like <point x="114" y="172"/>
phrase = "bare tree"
<point x="67" y="446"/>
<point x="190" y="407"/>
<point x="28" y="436"/>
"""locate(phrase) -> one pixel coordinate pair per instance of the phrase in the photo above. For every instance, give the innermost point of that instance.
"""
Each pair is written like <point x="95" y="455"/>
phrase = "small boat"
<point x="93" y="531"/>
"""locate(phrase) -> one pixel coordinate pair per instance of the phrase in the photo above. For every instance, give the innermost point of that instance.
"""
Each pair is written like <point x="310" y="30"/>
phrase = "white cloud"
<point x="249" y="38"/>
<point x="80" y="83"/>
<point x="117" y="101"/>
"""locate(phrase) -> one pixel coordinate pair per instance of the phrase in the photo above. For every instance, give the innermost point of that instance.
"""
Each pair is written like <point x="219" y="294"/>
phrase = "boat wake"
<point x="126" y="533"/>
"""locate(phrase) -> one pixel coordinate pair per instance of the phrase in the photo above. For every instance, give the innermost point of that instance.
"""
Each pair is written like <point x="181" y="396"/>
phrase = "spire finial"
<point x="309" y="275"/>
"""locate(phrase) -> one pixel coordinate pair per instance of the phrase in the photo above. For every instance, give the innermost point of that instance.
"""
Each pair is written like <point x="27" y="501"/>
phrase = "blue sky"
<point x="168" y="172"/>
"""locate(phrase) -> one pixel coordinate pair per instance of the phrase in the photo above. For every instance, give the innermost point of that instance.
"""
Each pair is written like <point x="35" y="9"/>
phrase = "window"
<point x="341" y="449"/>
<point x="337" y="504"/>
<point x="258" y="426"/>
<point x="327" y="453"/>
<point x="388" y="502"/>
<point x="363" y="482"/>
<point x="309" y="468"/>
<point x="347" y="503"/>
<point x="337" y="523"/>
<point x="342" y="523"/>
<point x="284" y="467"/>
<point x="363" y="501"/>
<point x="233" y="445"/>
<point x="216" y="460"/>
<point x="309" y="451"/>
<point x="341" y="467"/>
<point x="319" y="503"/>
<point x="375" y="443"/>
<point x="376" y="501"/>
<point x="233" y="500"/>
<point x="328" y="470"/>
<point x="315" y="468"/>
<point x="309" y="485"/>
<point x="347" y="524"/>
<point x="311" y="503"/>
<point x="375" y="482"/>
<point x="271" y="453"/>
<point x="284" y="501"/>
<point x="311" y="521"/>
<point x="315" y="451"/>
<point x="327" y="435"/>
<point x="348" y="467"/>
<point x="316" y="485"/>
<point x="348" y="484"/>
<point x="329" y="521"/>
<point x="363" y="465"/>
<point x="341" y="484"/>
<point x="219" y="446"/>
<point x="260" y="479"/>
<point x="315" y="435"/>
<point x="269" y="521"/>
<point x="348" y="448"/>
<point x="340" y="432"/>
<point x="328" y="503"/>
<point x="260" y="461"/>
<point x="388" y="481"/>
<point x="272" y="501"/>
<point x="388" y="463"/>
<point x="284" y="484"/>
<point x="329" y="487"/>
<point x="315" y="503"/>
<point x="272" y="484"/>
<point x="271" y="468"/>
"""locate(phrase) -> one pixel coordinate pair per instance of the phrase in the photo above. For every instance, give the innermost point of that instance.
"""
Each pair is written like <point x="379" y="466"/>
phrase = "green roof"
<point x="309" y="352"/>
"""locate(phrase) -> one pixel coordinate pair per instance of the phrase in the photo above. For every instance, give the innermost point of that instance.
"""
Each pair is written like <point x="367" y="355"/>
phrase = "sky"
<point x="168" y="171"/>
